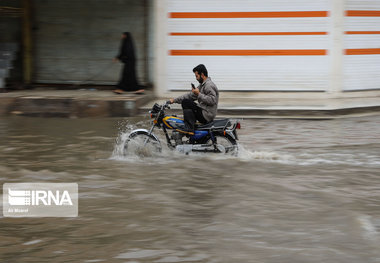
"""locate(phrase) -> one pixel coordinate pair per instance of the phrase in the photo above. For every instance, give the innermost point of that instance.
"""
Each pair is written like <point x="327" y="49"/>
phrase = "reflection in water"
<point x="299" y="191"/>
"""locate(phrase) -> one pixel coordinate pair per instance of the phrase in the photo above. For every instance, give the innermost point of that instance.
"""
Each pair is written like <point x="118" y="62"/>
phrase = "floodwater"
<point x="299" y="191"/>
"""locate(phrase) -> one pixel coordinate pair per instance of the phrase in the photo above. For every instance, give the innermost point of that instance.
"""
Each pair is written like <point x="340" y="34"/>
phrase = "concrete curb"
<point x="100" y="103"/>
<point x="345" y="108"/>
<point x="67" y="106"/>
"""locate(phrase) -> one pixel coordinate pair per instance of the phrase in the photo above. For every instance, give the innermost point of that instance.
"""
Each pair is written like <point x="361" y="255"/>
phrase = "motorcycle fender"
<point x="232" y="134"/>
<point x="145" y="131"/>
<point x="235" y="133"/>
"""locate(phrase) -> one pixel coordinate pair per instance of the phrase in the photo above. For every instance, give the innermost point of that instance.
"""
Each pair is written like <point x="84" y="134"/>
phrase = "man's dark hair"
<point x="201" y="69"/>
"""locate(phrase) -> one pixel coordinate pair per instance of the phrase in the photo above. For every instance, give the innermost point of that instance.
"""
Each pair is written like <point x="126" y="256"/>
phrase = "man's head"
<point x="200" y="72"/>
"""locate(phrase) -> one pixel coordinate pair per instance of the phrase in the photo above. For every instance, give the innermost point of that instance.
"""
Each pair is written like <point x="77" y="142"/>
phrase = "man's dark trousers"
<point x="191" y="113"/>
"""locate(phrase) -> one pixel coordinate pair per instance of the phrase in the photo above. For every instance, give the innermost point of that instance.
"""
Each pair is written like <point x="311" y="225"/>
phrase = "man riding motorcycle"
<point x="206" y="94"/>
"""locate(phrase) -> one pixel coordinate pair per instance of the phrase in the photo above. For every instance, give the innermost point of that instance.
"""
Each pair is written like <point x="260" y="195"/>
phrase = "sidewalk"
<point x="289" y="108"/>
<point x="71" y="103"/>
<point x="104" y="103"/>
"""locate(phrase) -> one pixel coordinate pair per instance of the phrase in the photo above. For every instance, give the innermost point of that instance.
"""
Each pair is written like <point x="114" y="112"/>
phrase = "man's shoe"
<point x="118" y="91"/>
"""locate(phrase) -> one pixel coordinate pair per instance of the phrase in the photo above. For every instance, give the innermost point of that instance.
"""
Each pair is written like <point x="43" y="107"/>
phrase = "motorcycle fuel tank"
<point x="173" y="122"/>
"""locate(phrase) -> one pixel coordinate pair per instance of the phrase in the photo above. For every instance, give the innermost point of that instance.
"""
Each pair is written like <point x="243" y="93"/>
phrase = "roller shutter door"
<point x="361" y="61"/>
<point x="267" y="45"/>
<point x="75" y="41"/>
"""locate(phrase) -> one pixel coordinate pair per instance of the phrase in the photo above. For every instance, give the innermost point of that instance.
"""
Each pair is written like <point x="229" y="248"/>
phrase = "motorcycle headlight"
<point x="156" y="108"/>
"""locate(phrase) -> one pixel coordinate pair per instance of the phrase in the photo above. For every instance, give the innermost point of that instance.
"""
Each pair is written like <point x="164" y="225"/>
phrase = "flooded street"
<point x="299" y="191"/>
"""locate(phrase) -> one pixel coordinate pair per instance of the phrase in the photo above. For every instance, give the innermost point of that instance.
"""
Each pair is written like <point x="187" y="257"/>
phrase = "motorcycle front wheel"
<point x="225" y="144"/>
<point x="142" y="144"/>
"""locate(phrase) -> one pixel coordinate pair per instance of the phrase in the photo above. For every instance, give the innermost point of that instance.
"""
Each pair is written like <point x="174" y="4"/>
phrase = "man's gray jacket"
<point x="208" y="98"/>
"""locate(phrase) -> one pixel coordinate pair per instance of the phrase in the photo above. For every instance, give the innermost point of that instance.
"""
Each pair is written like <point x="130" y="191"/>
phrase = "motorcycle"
<point x="218" y="136"/>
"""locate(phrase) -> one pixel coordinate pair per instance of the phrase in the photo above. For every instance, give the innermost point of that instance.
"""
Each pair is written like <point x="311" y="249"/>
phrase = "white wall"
<point x="268" y="51"/>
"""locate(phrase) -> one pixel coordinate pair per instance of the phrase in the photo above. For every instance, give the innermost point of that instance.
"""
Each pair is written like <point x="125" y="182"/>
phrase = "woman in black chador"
<point x="128" y="80"/>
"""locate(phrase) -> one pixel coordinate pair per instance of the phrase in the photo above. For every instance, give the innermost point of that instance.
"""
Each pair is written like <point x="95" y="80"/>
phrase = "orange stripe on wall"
<point x="246" y="33"/>
<point x="362" y="51"/>
<point x="290" y="52"/>
<point x="248" y="14"/>
<point x="362" y="13"/>
<point x="361" y="32"/>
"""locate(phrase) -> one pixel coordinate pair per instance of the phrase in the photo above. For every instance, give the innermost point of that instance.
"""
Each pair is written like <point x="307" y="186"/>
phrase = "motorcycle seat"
<point x="216" y="124"/>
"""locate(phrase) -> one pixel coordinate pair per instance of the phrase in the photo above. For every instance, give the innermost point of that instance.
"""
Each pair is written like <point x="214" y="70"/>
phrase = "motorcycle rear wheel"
<point x="225" y="144"/>
<point x="142" y="144"/>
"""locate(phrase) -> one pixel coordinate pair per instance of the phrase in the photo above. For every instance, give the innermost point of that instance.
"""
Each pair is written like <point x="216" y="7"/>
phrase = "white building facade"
<point x="269" y="48"/>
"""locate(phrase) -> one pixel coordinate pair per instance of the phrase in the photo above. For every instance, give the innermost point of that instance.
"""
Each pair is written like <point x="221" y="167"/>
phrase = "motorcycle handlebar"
<point x="166" y="105"/>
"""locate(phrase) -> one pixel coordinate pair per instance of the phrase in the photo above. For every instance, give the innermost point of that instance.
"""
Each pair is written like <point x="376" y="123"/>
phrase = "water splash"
<point x="134" y="153"/>
<point x="137" y="154"/>
<point x="118" y="151"/>
<point x="246" y="154"/>
<point x="352" y="159"/>
<point x="369" y="229"/>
